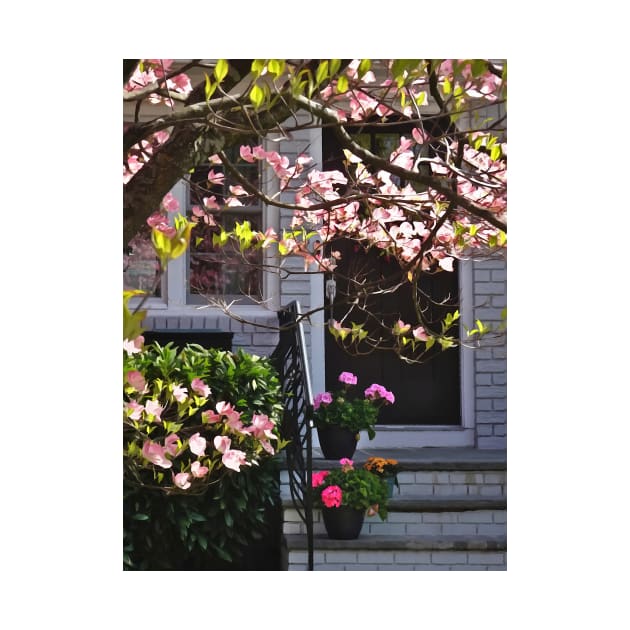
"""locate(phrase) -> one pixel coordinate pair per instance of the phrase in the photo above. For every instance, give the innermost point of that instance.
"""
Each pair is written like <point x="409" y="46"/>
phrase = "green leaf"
<point x="258" y="65"/>
<point x="221" y="70"/>
<point x="364" y="67"/>
<point x="140" y="517"/>
<point x="335" y="64"/>
<point x="322" y="72"/>
<point x="257" y="95"/>
<point x="342" y="84"/>
<point x="209" y="87"/>
<point x="276" y="67"/>
<point x="495" y="152"/>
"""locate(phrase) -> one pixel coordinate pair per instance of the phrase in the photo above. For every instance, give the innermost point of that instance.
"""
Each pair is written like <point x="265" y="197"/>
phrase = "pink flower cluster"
<point x="322" y="399"/>
<point x="331" y="496"/>
<point x="378" y="392"/>
<point x="318" y="478"/>
<point x="347" y="378"/>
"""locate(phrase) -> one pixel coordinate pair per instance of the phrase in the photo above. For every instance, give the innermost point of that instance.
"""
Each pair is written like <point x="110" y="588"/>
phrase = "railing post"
<point x="291" y="361"/>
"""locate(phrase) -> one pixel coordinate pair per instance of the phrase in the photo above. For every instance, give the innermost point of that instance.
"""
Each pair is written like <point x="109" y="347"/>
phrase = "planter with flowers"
<point x="386" y="469"/>
<point x="339" y="417"/>
<point x="345" y="495"/>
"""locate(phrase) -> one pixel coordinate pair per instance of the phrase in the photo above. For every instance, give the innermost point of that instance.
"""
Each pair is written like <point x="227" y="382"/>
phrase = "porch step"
<point x="397" y="553"/>
<point x="450" y="513"/>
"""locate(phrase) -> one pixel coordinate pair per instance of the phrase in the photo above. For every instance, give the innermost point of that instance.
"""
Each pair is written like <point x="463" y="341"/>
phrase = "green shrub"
<point x="200" y="443"/>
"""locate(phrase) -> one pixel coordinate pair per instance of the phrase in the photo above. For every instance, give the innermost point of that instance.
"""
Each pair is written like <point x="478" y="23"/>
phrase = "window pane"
<point x="224" y="271"/>
<point x="141" y="266"/>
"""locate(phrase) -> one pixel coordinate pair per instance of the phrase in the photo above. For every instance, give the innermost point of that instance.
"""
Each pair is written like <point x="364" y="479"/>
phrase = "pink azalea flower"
<point x="332" y="496"/>
<point x="198" y="470"/>
<point x="262" y="427"/>
<point x="222" y="443"/>
<point x="199" y="387"/>
<point x="136" y="380"/>
<point x="154" y="408"/>
<point x="266" y="444"/>
<point x="348" y="378"/>
<point x="180" y="393"/>
<point x="197" y="444"/>
<point x="156" y="454"/>
<point x="225" y="409"/>
<point x="181" y="480"/>
<point x="136" y="408"/>
<point x="234" y="459"/>
<point x="134" y="346"/>
<point x="170" y="443"/>
<point x="209" y="417"/>
<point x="318" y="478"/>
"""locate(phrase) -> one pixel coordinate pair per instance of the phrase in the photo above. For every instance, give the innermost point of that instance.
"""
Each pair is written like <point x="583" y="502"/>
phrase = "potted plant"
<point x="340" y="416"/>
<point x="386" y="469"/>
<point x="345" y="495"/>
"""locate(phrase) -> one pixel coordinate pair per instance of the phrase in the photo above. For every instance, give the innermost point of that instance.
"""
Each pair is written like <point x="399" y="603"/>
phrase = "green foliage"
<point x="167" y="528"/>
<point x="355" y="414"/>
<point x="211" y="531"/>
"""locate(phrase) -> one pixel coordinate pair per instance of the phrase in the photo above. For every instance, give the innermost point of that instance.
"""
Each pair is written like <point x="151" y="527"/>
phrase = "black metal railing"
<point x="290" y="359"/>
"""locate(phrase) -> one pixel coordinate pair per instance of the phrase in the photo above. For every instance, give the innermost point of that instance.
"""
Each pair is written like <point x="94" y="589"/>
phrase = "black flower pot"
<point x="337" y="442"/>
<point x="343" y="523"/>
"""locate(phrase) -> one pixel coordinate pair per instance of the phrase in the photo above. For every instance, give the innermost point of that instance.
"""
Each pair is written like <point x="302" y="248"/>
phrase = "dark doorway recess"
<point x="427" y="393"/>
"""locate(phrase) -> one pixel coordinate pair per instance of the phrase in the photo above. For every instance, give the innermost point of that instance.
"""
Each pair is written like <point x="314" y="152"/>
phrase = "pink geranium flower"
<point x="346" y="464"/>
<point x="348" y="378"/>
<point x="322" y="399"/>
<point x="197" y="444"/>
<point x="318" y="478"/>
<point x="331" y="496"/>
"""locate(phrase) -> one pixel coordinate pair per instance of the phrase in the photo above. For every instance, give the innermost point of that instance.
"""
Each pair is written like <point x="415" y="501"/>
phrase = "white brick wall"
<point x="490" y="291"/>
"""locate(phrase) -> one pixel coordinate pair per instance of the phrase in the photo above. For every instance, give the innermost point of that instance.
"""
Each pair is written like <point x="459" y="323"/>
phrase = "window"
<point x="223" y="272"/>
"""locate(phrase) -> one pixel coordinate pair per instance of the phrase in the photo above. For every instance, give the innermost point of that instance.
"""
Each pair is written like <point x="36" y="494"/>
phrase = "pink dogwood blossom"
<point x="332" y="496"/>
<point x="209" y="417"/>
<point x="197" y="444"/>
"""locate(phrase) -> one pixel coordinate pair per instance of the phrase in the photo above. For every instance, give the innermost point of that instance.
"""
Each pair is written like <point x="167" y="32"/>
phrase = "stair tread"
<point x="448" y="503"/>
<point x="427" y="458"/>
<point x="402" y="542"/>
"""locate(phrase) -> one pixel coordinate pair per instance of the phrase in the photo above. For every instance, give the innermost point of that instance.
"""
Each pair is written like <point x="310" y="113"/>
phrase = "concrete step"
<point x="397" y="553"/>
<point x="418" y="515"/>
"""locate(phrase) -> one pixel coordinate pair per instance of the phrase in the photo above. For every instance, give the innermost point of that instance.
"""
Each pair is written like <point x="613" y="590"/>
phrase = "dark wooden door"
<point x="427" y="393"/>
